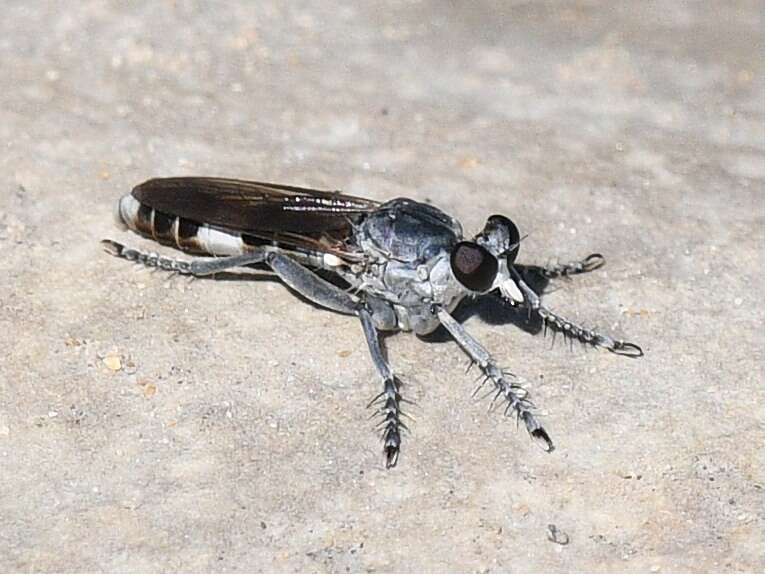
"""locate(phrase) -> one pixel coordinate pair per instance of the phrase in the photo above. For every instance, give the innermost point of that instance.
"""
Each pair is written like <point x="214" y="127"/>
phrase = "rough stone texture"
<point x="232" y="436"/>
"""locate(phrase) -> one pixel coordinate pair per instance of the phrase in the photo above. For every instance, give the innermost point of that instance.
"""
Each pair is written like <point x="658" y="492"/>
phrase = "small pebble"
<point x="113" y="362"/>
<point x="468" y="163"/>
<point x="557" y="536"/>
<point x="522" y="509"/>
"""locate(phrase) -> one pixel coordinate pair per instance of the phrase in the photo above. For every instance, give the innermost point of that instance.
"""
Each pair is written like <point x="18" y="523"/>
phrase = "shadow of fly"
<point x="401" y="265"/>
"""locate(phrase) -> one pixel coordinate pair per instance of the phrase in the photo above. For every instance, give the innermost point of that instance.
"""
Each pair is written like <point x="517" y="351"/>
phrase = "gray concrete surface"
<point x="152" y="425"/>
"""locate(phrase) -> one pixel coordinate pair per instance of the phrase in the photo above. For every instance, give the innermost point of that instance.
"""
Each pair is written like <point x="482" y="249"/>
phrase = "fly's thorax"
<point x="408" y="231"/>
<point x="446" y="290"/>
<point x="403" y="241"/>
<point x="405" y="283"/>
<point x="417" y="289"/>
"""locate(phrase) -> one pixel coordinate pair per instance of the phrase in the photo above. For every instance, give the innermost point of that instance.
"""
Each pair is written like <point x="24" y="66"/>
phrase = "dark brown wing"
<point x="261" y="209"/>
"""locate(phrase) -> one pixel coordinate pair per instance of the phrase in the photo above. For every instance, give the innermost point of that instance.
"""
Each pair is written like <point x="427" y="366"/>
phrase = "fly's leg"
<point x="388" y="402"/>
<point x="299" y="278"/>
<point x="589" y="263"/>
<point x="573" y="331"/>
<point x="311" y="286"/>
<point x="513" y="394"/>
<point x="199" y="267"/>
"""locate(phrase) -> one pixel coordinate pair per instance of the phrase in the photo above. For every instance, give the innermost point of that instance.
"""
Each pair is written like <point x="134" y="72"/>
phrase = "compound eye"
<point x="474" y="266"/>
<point x="502" y="231"/>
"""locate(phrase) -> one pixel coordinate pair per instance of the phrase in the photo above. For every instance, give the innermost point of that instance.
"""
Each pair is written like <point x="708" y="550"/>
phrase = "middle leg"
<point x="389" y="401"/>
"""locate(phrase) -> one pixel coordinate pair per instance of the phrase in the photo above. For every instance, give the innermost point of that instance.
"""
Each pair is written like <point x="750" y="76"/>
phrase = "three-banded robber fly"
<point x="401" y="265"/>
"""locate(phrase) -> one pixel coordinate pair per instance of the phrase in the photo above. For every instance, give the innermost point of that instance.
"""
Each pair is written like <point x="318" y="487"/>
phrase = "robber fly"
<point x="401" y="265"/>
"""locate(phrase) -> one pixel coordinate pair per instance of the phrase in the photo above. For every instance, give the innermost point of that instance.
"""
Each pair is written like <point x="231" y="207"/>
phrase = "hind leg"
<point x="299" y="278"/>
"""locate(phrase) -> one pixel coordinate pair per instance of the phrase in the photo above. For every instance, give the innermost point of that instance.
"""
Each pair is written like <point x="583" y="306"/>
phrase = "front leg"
<point x="569" y="329"/>
<point x="389" y="400"/>
<point x="512" y="393"/>
<point x="589" y="263"/>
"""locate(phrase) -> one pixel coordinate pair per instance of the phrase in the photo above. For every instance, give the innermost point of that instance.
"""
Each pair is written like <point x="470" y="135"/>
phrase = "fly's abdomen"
<point x="180" y="232"/>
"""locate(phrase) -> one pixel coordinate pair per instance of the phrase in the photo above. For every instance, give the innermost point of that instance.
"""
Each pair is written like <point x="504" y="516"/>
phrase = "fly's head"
<point x="485" y="263"/>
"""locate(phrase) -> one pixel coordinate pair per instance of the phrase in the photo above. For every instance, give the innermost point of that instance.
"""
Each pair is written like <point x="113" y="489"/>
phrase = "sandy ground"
<point x="148" y="424"/>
